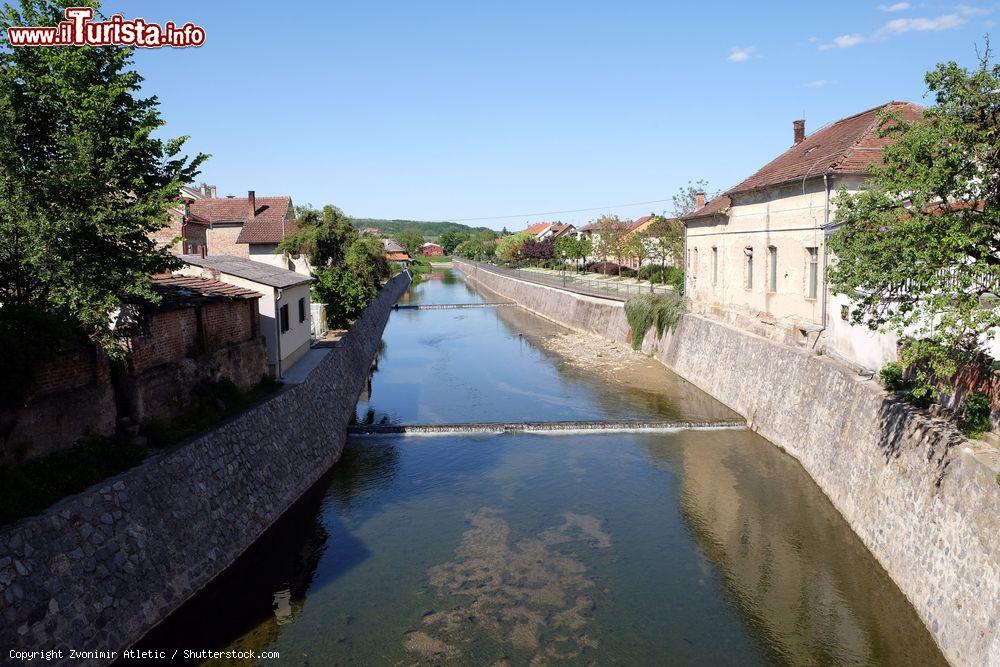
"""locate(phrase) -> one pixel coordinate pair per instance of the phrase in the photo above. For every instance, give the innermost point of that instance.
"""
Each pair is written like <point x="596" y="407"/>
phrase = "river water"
<point x="696" y="547"/>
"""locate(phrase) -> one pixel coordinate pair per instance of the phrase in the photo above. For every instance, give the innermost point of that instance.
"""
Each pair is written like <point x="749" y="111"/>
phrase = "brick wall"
<point x="75" y="394"/>
<point x="222" y="241"/>
<point x="69" y="398"/>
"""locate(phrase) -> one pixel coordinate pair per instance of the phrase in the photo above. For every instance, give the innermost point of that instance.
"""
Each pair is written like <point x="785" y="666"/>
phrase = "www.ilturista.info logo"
<point x="79" y="29"/>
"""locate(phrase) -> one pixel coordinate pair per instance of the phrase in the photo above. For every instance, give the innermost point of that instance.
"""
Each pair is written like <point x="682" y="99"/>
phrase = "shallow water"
<point x="708" y="547"/>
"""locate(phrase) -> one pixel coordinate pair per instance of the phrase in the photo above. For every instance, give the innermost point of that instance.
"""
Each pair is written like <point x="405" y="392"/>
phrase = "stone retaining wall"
<point x="99" y="569"/>
<point x="925" y="501"/>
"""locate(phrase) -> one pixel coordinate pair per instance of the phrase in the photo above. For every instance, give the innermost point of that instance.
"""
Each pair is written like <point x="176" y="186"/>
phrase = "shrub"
<point x="651" y="272"/>
<point x="674" y="276"/>
<point x="976" y="414"/>
<point x="606" y="268"/>
<point x="892" y="376"/>
<point x="662" y="311"/>
<point x="921" y="394"/>
<point x="626" y="272"/>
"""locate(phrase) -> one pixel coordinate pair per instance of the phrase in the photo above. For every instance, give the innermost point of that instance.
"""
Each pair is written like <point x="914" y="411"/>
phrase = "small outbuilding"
<point x="285" y="309"/>
<point x="431" y="250"/>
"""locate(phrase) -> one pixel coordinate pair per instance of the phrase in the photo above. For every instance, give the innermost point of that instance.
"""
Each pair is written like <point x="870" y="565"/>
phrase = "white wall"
<point x="269" y="254"/>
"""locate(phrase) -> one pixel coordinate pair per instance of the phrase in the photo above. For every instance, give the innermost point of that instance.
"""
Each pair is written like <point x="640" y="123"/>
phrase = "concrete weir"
<point x="448" y="306"/>
<point x="613" y="426"/>
<point x="925" y="501"/>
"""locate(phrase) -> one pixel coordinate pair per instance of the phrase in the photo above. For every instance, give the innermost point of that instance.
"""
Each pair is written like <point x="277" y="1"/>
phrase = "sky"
<point x="471" y="110"/>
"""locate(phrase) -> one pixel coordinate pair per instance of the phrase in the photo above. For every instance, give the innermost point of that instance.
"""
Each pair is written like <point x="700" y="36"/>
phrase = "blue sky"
<point x="456" y="110"/>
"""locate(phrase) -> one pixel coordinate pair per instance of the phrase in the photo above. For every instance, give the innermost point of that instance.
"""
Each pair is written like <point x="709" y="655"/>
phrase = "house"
<point x="189" y="228"/>
<point x="285" y="306"/>
<point x="431" y="250"/>
<point x="396" y="253"/>
<point x="250" y="227"/>
<point x="370" y="231"/>
<point x="756" y="255"/>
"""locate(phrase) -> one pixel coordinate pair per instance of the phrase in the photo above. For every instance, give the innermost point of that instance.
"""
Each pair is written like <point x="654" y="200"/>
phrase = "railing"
<point x="591" y="284"/>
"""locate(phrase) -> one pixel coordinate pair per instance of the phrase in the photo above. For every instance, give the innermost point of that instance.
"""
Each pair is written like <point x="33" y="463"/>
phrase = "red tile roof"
<point x="845" y="147"/>
<point x="182" y="291"/>
<point x="270" y="223"/>
<point x="398" y="257"/>
<point x="539" y="227"/>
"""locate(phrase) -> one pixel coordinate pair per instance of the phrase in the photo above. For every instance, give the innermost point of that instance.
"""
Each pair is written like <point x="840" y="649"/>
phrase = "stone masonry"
<point x="99" y="569"/>
<point x="924" y="500"/>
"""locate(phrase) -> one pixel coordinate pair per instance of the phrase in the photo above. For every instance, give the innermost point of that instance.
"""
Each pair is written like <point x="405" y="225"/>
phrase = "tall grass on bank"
<point x="662" y="311"/>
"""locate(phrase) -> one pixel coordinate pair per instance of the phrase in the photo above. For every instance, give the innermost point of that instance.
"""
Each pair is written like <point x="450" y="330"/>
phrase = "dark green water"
<point x="708" y="547"/>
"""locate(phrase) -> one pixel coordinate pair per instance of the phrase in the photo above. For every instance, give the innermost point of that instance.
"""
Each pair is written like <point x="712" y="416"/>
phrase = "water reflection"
<point x="803" y="580"/>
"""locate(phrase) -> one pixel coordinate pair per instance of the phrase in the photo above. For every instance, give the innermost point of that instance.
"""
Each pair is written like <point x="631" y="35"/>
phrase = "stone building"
<point x="756" y="255"/>
<point x="285" y="309"/>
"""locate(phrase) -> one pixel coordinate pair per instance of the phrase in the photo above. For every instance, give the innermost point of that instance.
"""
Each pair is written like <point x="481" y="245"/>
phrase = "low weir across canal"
<point x="655" y="529"/>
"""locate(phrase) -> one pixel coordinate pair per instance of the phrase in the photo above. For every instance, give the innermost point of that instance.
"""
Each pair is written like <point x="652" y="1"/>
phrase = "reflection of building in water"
<point x="283" y="606"/>
<point x="803" y="580"/>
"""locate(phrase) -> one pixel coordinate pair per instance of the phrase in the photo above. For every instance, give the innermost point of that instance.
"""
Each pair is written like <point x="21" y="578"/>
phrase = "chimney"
<point x="212" y="191"/>
<point x="203" y="189"/>
<point x="699" y="200"/>
<point x="251" y="204"/>
<point x="799" y="128"/>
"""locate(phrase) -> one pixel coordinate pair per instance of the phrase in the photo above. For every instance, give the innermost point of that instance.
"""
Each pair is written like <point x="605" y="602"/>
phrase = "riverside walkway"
<point x="590" y="284"/>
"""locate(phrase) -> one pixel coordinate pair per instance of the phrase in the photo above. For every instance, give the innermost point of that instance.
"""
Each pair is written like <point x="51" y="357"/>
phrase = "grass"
<point x="31" y="487"/>
<point x="644" y="311"/>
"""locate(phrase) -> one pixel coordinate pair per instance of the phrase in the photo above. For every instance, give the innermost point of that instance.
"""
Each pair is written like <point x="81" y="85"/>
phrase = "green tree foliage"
<point x="919" y="249"/>
<point x="83" y="184"/>
<point x="573" y="248"/>
<point x="323" y="237"/>
<point x="451" y="240"/>
<point x="509" y="247"/>
<point x="410" y="238"/>
<point x="428" y="229"/>
<point x="666" y="240"/>
<point x="612" y="243"/>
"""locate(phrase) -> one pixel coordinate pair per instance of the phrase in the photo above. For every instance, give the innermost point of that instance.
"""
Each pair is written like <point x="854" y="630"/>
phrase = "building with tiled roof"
<point x="285" y="301"/>
<point x="756" y="254"/>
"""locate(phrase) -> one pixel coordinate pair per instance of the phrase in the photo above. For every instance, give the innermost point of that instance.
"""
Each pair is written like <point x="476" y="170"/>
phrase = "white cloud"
<point x="898" y="7"/>
<point x="817" y="83"/>
<point x="742" y="54"/>
<point x="843" y="42"/>
<point x="966" y="10"/>
<point x="902" y="26"/>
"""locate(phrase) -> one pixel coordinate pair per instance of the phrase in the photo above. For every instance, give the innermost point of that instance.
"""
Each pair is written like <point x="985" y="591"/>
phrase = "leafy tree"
<point x="410" y="238"/>
<point x="666" y="240"/>
<point x="344" y="294"/>
<point x="538" y="251"/>
<point x="366" y="260"/>
<point x="451" y="240"/>
<point x="637" y="247"/>
<point x="83" y="185"/>
<point x="611" y="231"/>
<point x="324" y="236"/>
<point x="509" y="247"/>
<point x="918" y="250"/>
<point x="684" y="201"/>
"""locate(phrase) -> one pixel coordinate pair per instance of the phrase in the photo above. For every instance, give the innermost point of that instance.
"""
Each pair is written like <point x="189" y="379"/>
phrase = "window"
<point x="715" y="265"/>
<point x="302" y="309"/>
<point x="812" y="273"/>
<point x="694" y="265"/>
<point x="748" y="267"/>
<point x="283" y="318"/>
<point x="772" y="277"/>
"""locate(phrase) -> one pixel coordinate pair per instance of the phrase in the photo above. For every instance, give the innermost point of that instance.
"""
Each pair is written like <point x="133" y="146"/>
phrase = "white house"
<point x="756" y="256"/>
<point x="285" y="308"/>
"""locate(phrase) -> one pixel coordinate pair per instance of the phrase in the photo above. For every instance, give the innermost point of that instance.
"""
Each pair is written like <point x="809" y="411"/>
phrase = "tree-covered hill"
<point x="430" y="230"/>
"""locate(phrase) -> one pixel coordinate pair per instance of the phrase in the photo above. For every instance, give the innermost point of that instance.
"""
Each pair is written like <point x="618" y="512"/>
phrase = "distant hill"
<point x="430" y="230"/>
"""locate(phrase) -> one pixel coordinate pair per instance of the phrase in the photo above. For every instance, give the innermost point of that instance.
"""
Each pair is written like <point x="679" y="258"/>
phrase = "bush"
<point x="921" y="394"/>
<point x="651" y="272"/>
<point x="674" y="276"/>
<point x="976" y="415"/>
<point x="605" y="268"/>
<point x="663" y="311"/>
<point x="892" y="376"/>
<point x="627" y="272"/>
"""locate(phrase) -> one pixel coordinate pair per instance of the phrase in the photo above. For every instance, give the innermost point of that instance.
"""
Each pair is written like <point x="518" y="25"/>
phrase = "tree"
<point x="509" y="247"/>
<point x="685" y="201"/>
<point x="324" y="236"/>
<point x="410" y="238"/>
<point x="539" y="251"/>
<point x="611" y="231"/>
<point x="918" y="250"/>
<point x="666" y="241"/>
<point x="637" y="248"/>
<point x="451" y="240"/>
<point x="83" y="185"/>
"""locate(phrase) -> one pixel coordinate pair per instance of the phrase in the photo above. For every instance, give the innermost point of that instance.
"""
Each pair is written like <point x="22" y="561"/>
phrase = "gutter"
<point x="826" y="255"/>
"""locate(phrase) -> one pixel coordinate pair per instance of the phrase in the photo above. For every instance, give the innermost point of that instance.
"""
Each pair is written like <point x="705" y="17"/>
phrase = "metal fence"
<point x="591" y="284"/>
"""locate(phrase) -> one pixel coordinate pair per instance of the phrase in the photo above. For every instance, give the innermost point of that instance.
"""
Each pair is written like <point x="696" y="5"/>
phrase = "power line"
<point x="574" y="210"/>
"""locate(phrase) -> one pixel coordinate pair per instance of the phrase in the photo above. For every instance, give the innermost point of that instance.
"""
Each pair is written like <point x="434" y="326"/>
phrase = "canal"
<point x="689" y="547"/>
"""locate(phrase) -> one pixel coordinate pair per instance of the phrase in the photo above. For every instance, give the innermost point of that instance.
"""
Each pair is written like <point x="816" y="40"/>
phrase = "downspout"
<point x="826" y="256"/>
<point x="277" y="329"/>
